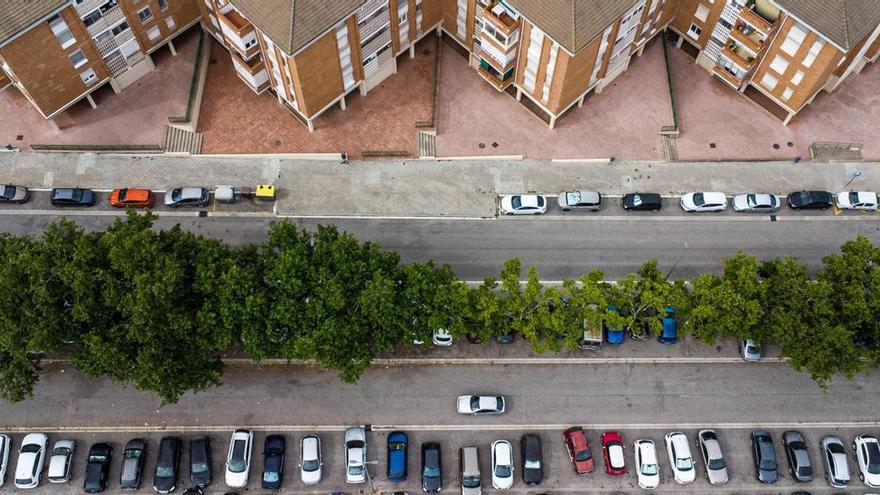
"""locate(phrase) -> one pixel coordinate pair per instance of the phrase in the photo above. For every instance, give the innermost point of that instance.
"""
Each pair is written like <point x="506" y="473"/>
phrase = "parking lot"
<point x="558" y="474"/>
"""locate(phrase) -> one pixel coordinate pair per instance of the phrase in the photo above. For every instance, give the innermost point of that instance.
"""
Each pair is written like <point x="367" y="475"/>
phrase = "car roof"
<point x="647" y="452"/>
<point x="713" y="448"/>
<point x="529" y="199"/>
<point x="191" y="192"/>
<point x="615" y="455"/>
<point x="679" y="441"/>
<point x="503" y="451"/>
<point x="310" y="446"/>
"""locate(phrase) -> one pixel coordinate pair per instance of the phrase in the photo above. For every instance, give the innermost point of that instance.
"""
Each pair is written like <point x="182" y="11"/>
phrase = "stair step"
<point x="182" y="141"/>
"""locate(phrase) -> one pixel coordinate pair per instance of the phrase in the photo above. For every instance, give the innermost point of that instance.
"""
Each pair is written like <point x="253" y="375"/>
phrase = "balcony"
<point x="738" y="55"/>
<point x="108" y="18"/>
<point x="251" y="66"/>
<point x="500" y="18"/>
<point x="749" y="38"/>
<point x="236" y="23"/>
<point x="727" y="77"/>
<point x="757" y="21"/>
<point x="492" y="59"/>
<point x="87" y="6"/>
<point x="494" y="80"/>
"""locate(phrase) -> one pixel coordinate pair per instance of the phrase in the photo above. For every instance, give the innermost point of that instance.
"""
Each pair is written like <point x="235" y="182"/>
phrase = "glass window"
<point x="62" y="33"/>
<point x="154" y="33"/>
<point x="78" y="59"/>
<point x="702" y="13"/>
<point x="163" y="5"/>
<point x="779" y="65"/>
<point x="145" y="14"/>
<point x="88" y="76"/>
<point x="769" y="81"/>
<point x="797" y="77"/>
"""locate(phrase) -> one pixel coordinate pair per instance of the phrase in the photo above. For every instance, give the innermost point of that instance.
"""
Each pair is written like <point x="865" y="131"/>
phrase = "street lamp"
<point x="853" y="175"/>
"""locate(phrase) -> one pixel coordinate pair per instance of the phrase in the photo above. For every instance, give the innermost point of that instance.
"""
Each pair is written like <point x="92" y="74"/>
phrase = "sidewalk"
<point x="420" y="187"/>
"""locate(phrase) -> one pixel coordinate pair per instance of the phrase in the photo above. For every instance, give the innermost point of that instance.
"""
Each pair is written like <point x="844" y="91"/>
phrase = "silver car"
<point x="310" y="460"/>
<point x="14" y="194"/>
<point x="186" y="196"/>
<point x="579" y="200"/>
<point x="749" y="350"/>
<point x="710" y="448"/>
<point x="61" y="460"/>
<point x="471" y="479"/>
<point x="836" y="465"/>
<point x="5" y="445"/>
<point x="756" y="203"/>
<point x="355" y="455"/>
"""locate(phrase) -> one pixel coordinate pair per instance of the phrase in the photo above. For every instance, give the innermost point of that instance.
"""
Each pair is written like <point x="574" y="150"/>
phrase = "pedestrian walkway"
<point x="422" y="188"/>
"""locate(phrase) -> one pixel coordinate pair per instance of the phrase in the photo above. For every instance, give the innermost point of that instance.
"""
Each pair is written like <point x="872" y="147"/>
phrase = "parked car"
<point x="133" y="458"/>
<point x="612" y="453"/>
<point x="441" y="337"/>
<point x="614" y="335"/>
<point x="480" y="404"/>
<point x="167" y="462"/>
<point x="98" y="468"/>
<point x="799" y="464"/>
<point x="642" y="202"/>
<point x="355" y="455"/>
<point x="647" y="469"/>
<point x="72" y="196"/>
<point x="200" y="461"/>
<point x="713" y="459"/>
<point x="502" y="465"/>
<point x="764" y="456"/>
<point x="578" y="450"/>
<point x="680" y="459"/>
<point x="238" y="458"/>
<point x="469" y="467"/>
<point x="810" y="200"/>
<point x="186" y="196"/>
<point x="523" y="204"/>
<point x="703" y="201"/>
<point x="131" y="198"/>
<point x="61" y="461"/>
<point x="669" y="332"/>
<point x="197" y="491"/>
<point x="310" y="461"/>
<point x="506" y="338"/>
<point x="836" y="465"/>
<point x="579" y="200"/>
<point x="5" y="447"/>
<point x="31" y="455"/>
<point x="432" y="470"/>
<point x="857" y="200"/>
<point x="756" y="203"/>
<point x="750" y="350"/>
<point x="532" y="459"/>
<point x="398" y="444"/>
<point x="14" y="194"/>
<point x="867" y="451"/>
<point x="273" y="462"/>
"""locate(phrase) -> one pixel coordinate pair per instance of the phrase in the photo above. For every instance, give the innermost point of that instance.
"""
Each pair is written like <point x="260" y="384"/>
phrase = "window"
<point x="779" y="65"/>
<point x="154" y="33"/>
<point x="694" y="31"/>
<point x="814" y="51"/>
<point x="769" y="82"/>
<point x="702" y="13"/>
<point x="145" y="14"/>
<point x="163" y="5"/>
<point x="88" y="77"/>
<point x="787" y="94"/>
<point x="797" y="77"/>
<point x="62" y="33"/>
<point x="78" y="59"/>
<point x="790" y="46"/>
<point x="169" y="22"/>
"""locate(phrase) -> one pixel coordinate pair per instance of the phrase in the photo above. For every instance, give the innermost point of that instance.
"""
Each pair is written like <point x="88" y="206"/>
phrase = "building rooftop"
<point x="573" y="23"/>
<point x="844" y="22"/>
<point x="18" y="15"/>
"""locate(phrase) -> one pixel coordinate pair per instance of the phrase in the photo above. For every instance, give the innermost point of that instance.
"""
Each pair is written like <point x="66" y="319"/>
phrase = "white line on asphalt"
<point x="379" y="217"/>
<point x="92" y="213"/>
<point x="529" y="361"/>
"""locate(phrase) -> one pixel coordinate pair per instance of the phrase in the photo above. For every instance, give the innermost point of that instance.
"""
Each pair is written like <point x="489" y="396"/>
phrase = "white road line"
<point x="92" y="213"/>
<point x="380" y="217"/>
<point x="528" y="361"/>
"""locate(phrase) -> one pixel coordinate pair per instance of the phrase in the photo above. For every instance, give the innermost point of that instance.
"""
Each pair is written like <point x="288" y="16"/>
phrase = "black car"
<point x="642" y="202"/>
<point x="273" y="462"/>
<point x="764" y="455"/>
<point x="97" y="468"/>
<point x="532" y="462"/>
<point x="200" y="461"/>
<point x="165" y="480"/>
<point x="432" y="479"/>
<point x="133" y="464"/>
<point x="810" y="200"/>
<point x="800" y="466"/>
<point x="72" y="196"/>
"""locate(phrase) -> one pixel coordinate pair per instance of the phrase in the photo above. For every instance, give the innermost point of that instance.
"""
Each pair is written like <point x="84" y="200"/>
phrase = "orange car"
<point x="131" y="198"/>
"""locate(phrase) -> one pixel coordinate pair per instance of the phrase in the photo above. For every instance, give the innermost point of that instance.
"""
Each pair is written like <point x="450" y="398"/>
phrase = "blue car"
<point x="397" y="446"/>
<point x="669" y="335"/>
<point x="614" y="335"/>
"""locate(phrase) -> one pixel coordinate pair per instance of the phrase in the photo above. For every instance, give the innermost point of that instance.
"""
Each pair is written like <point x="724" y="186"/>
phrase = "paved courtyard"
<point x="623" y="121"/>
<point x="236" y="120"/>
<point x="136" y="116"/>
<point x="710" y="112"/>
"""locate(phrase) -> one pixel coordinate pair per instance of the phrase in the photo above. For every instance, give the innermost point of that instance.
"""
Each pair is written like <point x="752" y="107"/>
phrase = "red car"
<point x="612" y="451"/>
<point x="578" y="450"/>
<point x="131" y="198"/>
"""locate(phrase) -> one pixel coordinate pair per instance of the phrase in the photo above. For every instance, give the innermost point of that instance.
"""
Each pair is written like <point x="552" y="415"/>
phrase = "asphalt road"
<point x="559" y="246"/>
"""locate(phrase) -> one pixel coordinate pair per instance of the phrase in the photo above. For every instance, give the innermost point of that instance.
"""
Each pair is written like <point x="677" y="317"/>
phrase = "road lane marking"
<point x="533" y="361"/>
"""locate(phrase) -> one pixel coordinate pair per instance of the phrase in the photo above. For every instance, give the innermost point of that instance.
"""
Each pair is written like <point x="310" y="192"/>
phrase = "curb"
<point x="497" y="361"/>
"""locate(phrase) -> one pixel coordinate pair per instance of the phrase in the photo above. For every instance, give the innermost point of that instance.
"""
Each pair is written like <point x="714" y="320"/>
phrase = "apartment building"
<point x="57" y="52"/>
<point x="780" y="53"/>
<point x="312" y="53"/>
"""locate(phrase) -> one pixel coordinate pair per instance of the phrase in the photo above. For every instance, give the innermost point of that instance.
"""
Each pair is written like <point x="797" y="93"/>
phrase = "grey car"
<point x="133" y="464"/>
<point x="471" y="480"/>
<point x="836" y="465"/>
<point x="186" y="196"/>
<point x="579" y="200"/>
<point x="764" y="455"/>
<point x="799" y="464"/>
<point x="14" y="194"/>
<point x="710" y="448"/>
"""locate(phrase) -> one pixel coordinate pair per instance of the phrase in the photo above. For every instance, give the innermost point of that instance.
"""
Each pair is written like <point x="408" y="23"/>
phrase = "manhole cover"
<point x="494" y="144"/>
<point x="19" y="137"/>
<point x="277" y="142"/>
<point x="775" y="146"/>
<point x="790" y="144"/>
<point x="712" y="145"/>
<point x="482" y="145"/>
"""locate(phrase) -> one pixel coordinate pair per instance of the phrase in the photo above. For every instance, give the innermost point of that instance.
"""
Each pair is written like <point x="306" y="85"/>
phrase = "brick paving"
<point x="136" y="116"/>
<point x="623" y="121"/>
<point x="236" y="120"/>
<point x="711" y="112"/>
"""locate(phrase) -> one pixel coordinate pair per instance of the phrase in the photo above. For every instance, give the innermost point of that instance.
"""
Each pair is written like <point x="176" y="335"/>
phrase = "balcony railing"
<point x="753" y="42"/>
<point x="737" y="56"/>
<point x="727" y="76"/>
<point x="236" y="23"/>
<point x="494" y="80"/>
<point x="756" y="20"/>
<point x="108" y="19"/>
<point x="88" y="6"/>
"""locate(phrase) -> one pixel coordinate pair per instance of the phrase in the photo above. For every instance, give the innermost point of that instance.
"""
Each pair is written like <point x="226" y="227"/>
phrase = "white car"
<point x="523" y="204"/>
<point x="238" y="460"/>
<point x="480" y="404"/>
<point x="680" y="459"/>
<point x="355" y="455"/>
<point x="31" y="456"/>
<point x="836" y="465"/>
<point x="867" y="451"/>
<point x="502" y="465"/>
<point x="61" y="460"/>
<point x="756" y="203"/>
<point x="713" y="459"/>
<point x="647" y="469"/>
<point x="856" y="200"/>
<point x="5" y="445"/>
<point x="310" y="460"/>
<point x="703" y="201"/>
<point x="749" y="350"/>
<point x="441" y="337"/>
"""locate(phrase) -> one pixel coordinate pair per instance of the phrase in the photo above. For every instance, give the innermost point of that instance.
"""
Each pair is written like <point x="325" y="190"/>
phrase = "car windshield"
<point x="61" y="451"/>
<point x="573" y="197"/>
<point x="236" y="462"/>
<point x="432" y="472"/>
<point x="30" y="448"/>
<point x="716" y="464"/>
<point x="470" y="482"/>
<point x="805" y="471"/>
<point x="699" y="200"/>
<point x="583" y="455"/>
<point x="532" y="464"/>
<point x="396" y="446"/>
<point x="502" y="471"/>
<point x="637" y="200"/>
<point x="873" y="458"/>
<point x="177" y="194"/>
<point x="132" y="453"/>
<point x="199" y="467"/>
<point x="853" y="197"/>
<point x="516" y="202"/>
<point x="649" y="469"/>
<point x="768" y="464"/>
<point x="271" y="476"/>
<point x="165" y="471"/>
<point x="7" y="192"/>
<point x="97" y="458"/>
<point x="836" y="448"/>
<point x="684" y="464"/>
<point x="355" y="470"/>
<point x="122" y="193"/>
<point x="310" y="466"/>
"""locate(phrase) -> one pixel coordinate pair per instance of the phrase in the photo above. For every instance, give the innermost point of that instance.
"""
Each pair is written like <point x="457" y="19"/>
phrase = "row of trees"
<point x="157" y="309"/>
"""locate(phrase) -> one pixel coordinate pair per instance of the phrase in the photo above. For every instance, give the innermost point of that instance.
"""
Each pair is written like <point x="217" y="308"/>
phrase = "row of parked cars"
<point x="536" y="204"/>
<point x="119" y="198"/>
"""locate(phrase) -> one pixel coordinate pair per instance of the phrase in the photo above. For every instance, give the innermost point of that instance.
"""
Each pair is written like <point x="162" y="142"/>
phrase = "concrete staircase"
<point x="179" y="140"/>
<point x="427" y="144"/>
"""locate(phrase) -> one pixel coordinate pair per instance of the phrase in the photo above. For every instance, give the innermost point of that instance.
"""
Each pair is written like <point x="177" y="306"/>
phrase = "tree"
<point x="643" y="296"/>
<point x="587" y="305"/>
<point x="432" y="299"/>
<point x="484" y="314"/>
<point x="728" y="306"/>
